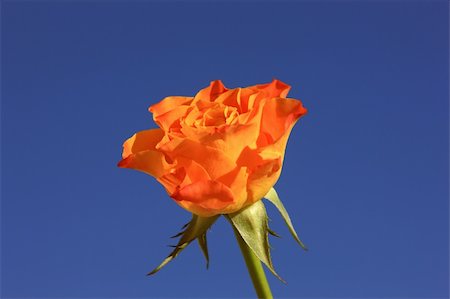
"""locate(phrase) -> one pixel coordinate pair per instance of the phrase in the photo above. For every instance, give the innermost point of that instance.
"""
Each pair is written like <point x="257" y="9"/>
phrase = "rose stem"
<point x="255" y="269"/>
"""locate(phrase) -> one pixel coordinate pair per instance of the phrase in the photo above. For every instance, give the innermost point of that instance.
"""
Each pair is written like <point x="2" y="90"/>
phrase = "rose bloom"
<point x="219" y="151"/>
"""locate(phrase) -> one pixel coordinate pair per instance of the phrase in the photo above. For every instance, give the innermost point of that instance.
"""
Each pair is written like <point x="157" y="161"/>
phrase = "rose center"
<point x="216" y="116"/>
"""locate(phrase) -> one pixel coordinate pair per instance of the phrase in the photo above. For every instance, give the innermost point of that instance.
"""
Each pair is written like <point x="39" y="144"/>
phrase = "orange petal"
<point x="139" y="153"/>
<point x="236" y="180"/>
<point x="268" y="148"/>
<point x="274" y="89"/>
<point x="279" y="115"/>
<point x="211" y="92"/>
<point x="194" y="171"/>
<point x="229" y="97"/>
<point x="171" y="180"/>
<point x="184" y="173"/>
<point x="168" y="104"/>
<point x="265" y="161"/>
<point x="142" y="141"/>
<point x="232" y="139"/>
<point x="262" y="92"/>
<point x="214" y="161"/>
<point x="272" y="143"/>
<point x="204" y="198"/>
<point x="238" y="97"/>
<point x="246" y="99"/>
<point x="262" y="179"/>
<point x="151" y="162"/>
<point x="168" y="119"/>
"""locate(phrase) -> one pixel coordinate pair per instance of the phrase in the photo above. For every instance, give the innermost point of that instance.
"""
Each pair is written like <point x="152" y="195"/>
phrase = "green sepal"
<point x="252" y="225"/>
<point x="202" y="242"/>
<point x="273" y="233"/>
<point x="194" y="229"/>
<point x="272" y="196"/>
<point x="177" y="235"/>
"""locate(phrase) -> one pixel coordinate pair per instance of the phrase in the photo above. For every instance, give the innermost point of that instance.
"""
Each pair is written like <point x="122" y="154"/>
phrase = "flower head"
<point x="219" y="151"/>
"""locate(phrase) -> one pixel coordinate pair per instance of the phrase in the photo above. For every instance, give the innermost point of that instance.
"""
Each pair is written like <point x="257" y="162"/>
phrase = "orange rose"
<point x="219" y="151"/>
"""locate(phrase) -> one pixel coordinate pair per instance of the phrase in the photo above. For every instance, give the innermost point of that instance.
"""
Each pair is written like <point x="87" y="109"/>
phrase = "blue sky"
<point x="366" y="171"/>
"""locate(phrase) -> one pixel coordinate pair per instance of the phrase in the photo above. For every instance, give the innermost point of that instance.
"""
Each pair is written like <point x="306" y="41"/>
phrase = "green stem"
<point x="255" y="269"/>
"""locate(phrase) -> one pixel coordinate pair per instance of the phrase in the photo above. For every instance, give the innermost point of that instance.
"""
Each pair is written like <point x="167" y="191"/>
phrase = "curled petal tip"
<point x="123" y="163"/>
<point x="301" y="111"/>
<point x="280" y="83"/>
<point x="217" y="83"/>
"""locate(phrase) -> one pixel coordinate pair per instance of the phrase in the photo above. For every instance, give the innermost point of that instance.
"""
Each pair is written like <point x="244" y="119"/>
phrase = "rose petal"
<point x="139" y="153"/>
<point x="233" y="139"/>
<point x="205" y="197"/>
<point x="142" y="141"/>
<point x="262" y="92"/>
<point x="279" y="115"/>
<point x="265" y="161"/>
<point x="151" y="162"/>
<point x="211" y="92"/>
<point x="262" y="178"/>
<point x="267" y="149"/>
<point x="168" y="119"/>
<point x="236" y="180"/>
<point x="168" y="104"/>
<point x="171" y="180"/>
<point x="194" y="171"/>
<point x="214" y="161"/>
<point x="183" y="173"/>
<point x="275" y="89"/>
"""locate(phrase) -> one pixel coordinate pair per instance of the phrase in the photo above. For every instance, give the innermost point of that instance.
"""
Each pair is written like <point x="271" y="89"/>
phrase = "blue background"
<point x="366" y="171"/>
